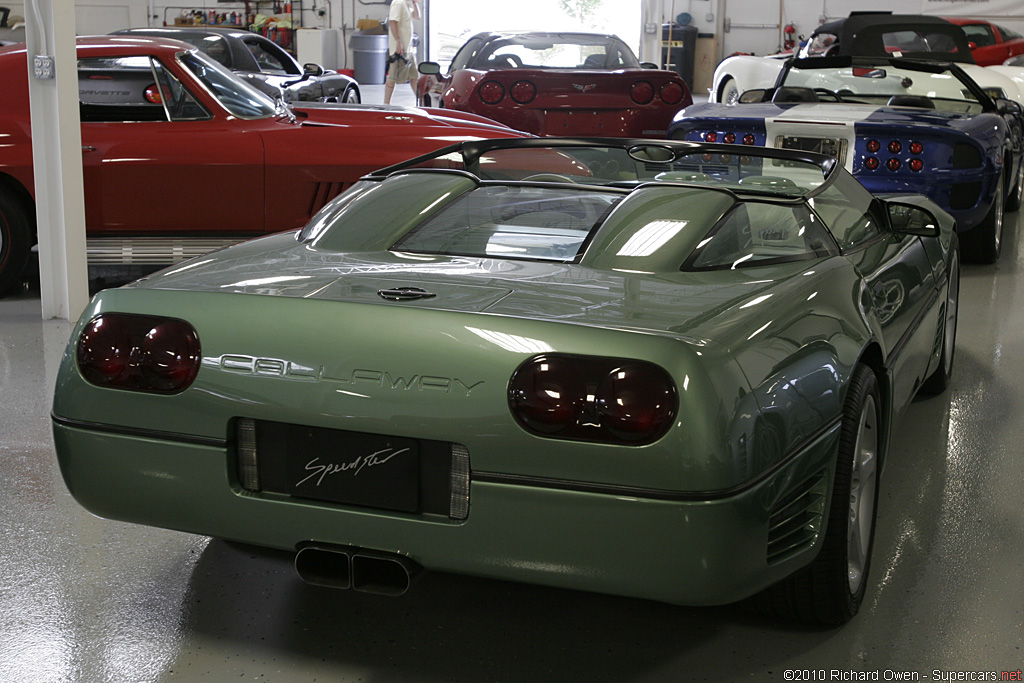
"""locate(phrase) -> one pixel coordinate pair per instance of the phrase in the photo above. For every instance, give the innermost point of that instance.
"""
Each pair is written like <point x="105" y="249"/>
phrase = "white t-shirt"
<point x="402" y="13"/>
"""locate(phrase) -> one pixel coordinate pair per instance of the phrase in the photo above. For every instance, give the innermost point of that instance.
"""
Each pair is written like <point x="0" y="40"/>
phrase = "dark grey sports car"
<point x="262" y="62"/>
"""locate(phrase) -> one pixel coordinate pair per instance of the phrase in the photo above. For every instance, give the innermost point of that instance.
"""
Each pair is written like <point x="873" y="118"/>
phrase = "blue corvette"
<point x="899" y="125"/>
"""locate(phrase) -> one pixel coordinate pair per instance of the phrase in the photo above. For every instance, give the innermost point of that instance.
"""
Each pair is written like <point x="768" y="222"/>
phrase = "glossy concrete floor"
<point x="88" y="600"/>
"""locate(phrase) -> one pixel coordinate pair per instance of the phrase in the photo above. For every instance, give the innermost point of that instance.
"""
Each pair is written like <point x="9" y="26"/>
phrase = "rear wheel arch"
<point x="12" y="186"/>
<point x="17" y="230"/>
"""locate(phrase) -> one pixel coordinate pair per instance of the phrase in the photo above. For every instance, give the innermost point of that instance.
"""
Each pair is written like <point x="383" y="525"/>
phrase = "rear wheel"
<point x="986" y="239"/>
<point x="939" y="380"/>
<point x="351" y="96"/>
<point x="15" y="240"/>
<point x="830" y="590"/>
<point x="1013" y="201"/>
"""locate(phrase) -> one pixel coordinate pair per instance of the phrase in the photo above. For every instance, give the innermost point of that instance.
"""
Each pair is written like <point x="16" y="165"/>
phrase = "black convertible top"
<point x="933" y="38"/>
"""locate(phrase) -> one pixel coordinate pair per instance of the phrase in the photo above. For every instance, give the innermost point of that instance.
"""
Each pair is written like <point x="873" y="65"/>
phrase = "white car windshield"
<point x="884" y="83"/>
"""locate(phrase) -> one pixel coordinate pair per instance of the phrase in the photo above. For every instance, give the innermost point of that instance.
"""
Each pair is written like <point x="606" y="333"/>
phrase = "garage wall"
<point x="724" y="26"/>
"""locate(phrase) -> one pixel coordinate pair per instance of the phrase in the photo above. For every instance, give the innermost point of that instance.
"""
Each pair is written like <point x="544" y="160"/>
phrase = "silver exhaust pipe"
<point x="367" y="571"/>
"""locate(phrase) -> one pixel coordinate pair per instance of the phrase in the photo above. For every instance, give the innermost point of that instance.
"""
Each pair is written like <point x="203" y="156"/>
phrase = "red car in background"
<point x="180" y="156"/>
<point x="991" y="44"/>
<point x="581" y="84"/>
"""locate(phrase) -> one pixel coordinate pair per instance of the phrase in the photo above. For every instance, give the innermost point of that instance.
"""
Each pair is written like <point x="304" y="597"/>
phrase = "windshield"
<point x="237" y="96"/>
<point x="539" y="223"/>
<point x="556" y="51"/>
<point x="934" y="88"/>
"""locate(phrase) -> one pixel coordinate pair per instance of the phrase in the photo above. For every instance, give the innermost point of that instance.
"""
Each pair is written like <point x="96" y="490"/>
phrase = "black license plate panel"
<point x="828" y="146"/>
<point x="353" y="468"/>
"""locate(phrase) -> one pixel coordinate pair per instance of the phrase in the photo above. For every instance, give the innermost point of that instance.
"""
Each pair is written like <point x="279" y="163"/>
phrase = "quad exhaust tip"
<point x="367" y="571"/>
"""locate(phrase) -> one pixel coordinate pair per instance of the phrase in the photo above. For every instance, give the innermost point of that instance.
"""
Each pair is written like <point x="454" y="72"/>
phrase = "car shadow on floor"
<point x="451" y="628"/>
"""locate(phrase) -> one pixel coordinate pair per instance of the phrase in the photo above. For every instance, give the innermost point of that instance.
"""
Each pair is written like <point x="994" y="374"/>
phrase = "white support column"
<point x="57" y="157"/>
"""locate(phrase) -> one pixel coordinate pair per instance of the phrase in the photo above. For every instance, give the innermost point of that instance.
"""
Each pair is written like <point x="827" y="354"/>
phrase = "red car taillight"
<point x="642" y="92"/>
<point x="593" y="399"/>
<point x="139" y="353"/>
<point x="491" y="92"/>
<point x="671" y="93"/>
<point x="152" y="95"/>
<point x="523" y="92"/>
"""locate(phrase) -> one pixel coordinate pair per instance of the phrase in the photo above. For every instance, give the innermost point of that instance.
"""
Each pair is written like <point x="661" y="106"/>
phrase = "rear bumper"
<point x="695" y="552"/>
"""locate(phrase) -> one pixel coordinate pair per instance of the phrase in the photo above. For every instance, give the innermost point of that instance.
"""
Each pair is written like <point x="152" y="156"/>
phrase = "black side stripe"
<point x="143" y="433"/>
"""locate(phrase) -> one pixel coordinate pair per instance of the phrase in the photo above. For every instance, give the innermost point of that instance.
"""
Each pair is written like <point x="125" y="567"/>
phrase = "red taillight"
<point x="671" y="93"/>
<point x="523" y="92"/>
<point x="711" y="137"/>
<point x="726" y="158"/>
<point x="592" y="399"/>
<point x="152" y="95"/>
<point x="642" y="92"/>
<point x="139" y="352"/>
<point x="915" y="164"/>
<point x="895" y="147"/>
<point x="749" y="139"/>
<point x="633" y="403"/>
<point x="491" y="92"/>
<point x="916" y="148"/>
<point x="893" y="164"/>
<point x="729" y="138"/>
<point x="871" y="163"/>
<point x="873" y="146"/>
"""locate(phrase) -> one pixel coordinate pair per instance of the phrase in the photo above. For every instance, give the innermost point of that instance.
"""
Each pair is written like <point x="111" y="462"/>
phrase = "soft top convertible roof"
<point x="861" y="34"/>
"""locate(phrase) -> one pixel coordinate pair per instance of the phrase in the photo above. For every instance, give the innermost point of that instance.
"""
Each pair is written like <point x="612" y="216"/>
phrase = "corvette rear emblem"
<point x="584" y="88"/>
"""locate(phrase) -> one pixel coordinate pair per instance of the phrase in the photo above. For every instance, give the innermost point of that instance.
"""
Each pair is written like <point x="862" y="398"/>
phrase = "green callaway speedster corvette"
<point x="666" y="370"/>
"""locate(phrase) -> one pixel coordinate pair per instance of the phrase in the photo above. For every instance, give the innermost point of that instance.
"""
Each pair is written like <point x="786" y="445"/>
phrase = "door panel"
<point x="161" y="177"/>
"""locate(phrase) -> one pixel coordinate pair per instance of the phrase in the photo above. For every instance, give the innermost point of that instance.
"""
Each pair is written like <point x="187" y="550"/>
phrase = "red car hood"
<point x="350" y="114"/>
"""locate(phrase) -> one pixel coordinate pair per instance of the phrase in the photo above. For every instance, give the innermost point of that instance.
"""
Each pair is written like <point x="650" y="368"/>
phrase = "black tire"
<point x="15" y="240"/>
<point x="351" y="96"/>
<point x="728" y="93"/>
<point x="939" y="380"/>
<point x="829" y="591"/>
<point x="985" y="241"/>
<point x="1014" y="199"/>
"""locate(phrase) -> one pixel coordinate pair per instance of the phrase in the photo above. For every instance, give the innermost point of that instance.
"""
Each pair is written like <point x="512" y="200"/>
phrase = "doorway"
<point x="451" y="22"/>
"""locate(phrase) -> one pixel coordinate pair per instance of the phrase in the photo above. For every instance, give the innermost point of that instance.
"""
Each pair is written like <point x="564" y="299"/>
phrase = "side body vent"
<point x="796" y="520"/>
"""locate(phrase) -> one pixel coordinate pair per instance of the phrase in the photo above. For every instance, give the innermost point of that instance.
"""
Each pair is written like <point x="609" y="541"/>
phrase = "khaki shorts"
<point x="400" y="72"/>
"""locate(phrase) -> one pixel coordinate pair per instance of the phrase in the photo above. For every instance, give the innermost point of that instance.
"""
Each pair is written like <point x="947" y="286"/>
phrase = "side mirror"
<point x="908" y="219"/>
<point x="430" y="68"/>
<point x="1005" y="107"/>
<point x="753" y="96"/>
<point x="649" y="65"/>
<point x="312" y="69"/>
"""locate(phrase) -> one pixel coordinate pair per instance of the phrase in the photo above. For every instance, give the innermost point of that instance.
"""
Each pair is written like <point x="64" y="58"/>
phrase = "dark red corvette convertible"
<point x="583" y="84"/>
<point x="180" y="156"/>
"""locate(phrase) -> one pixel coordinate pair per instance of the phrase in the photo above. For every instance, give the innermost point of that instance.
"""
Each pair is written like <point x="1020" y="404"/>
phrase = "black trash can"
<point x="678" y="50"/>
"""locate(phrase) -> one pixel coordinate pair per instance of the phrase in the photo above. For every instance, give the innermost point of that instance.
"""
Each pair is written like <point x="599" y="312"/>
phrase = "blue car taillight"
<point x="892" y="154"/>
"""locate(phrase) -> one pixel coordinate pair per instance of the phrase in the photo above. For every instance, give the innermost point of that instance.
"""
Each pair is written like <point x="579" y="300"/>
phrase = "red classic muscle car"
<point x="181" y="156"/>
<point x="557" y="84"/>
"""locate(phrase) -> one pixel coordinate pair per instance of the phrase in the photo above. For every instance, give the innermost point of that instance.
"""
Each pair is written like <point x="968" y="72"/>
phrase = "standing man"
<point x="401" y="56"/>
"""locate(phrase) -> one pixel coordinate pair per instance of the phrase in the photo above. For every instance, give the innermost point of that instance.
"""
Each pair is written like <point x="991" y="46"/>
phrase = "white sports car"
<point x="871" y="35"/>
